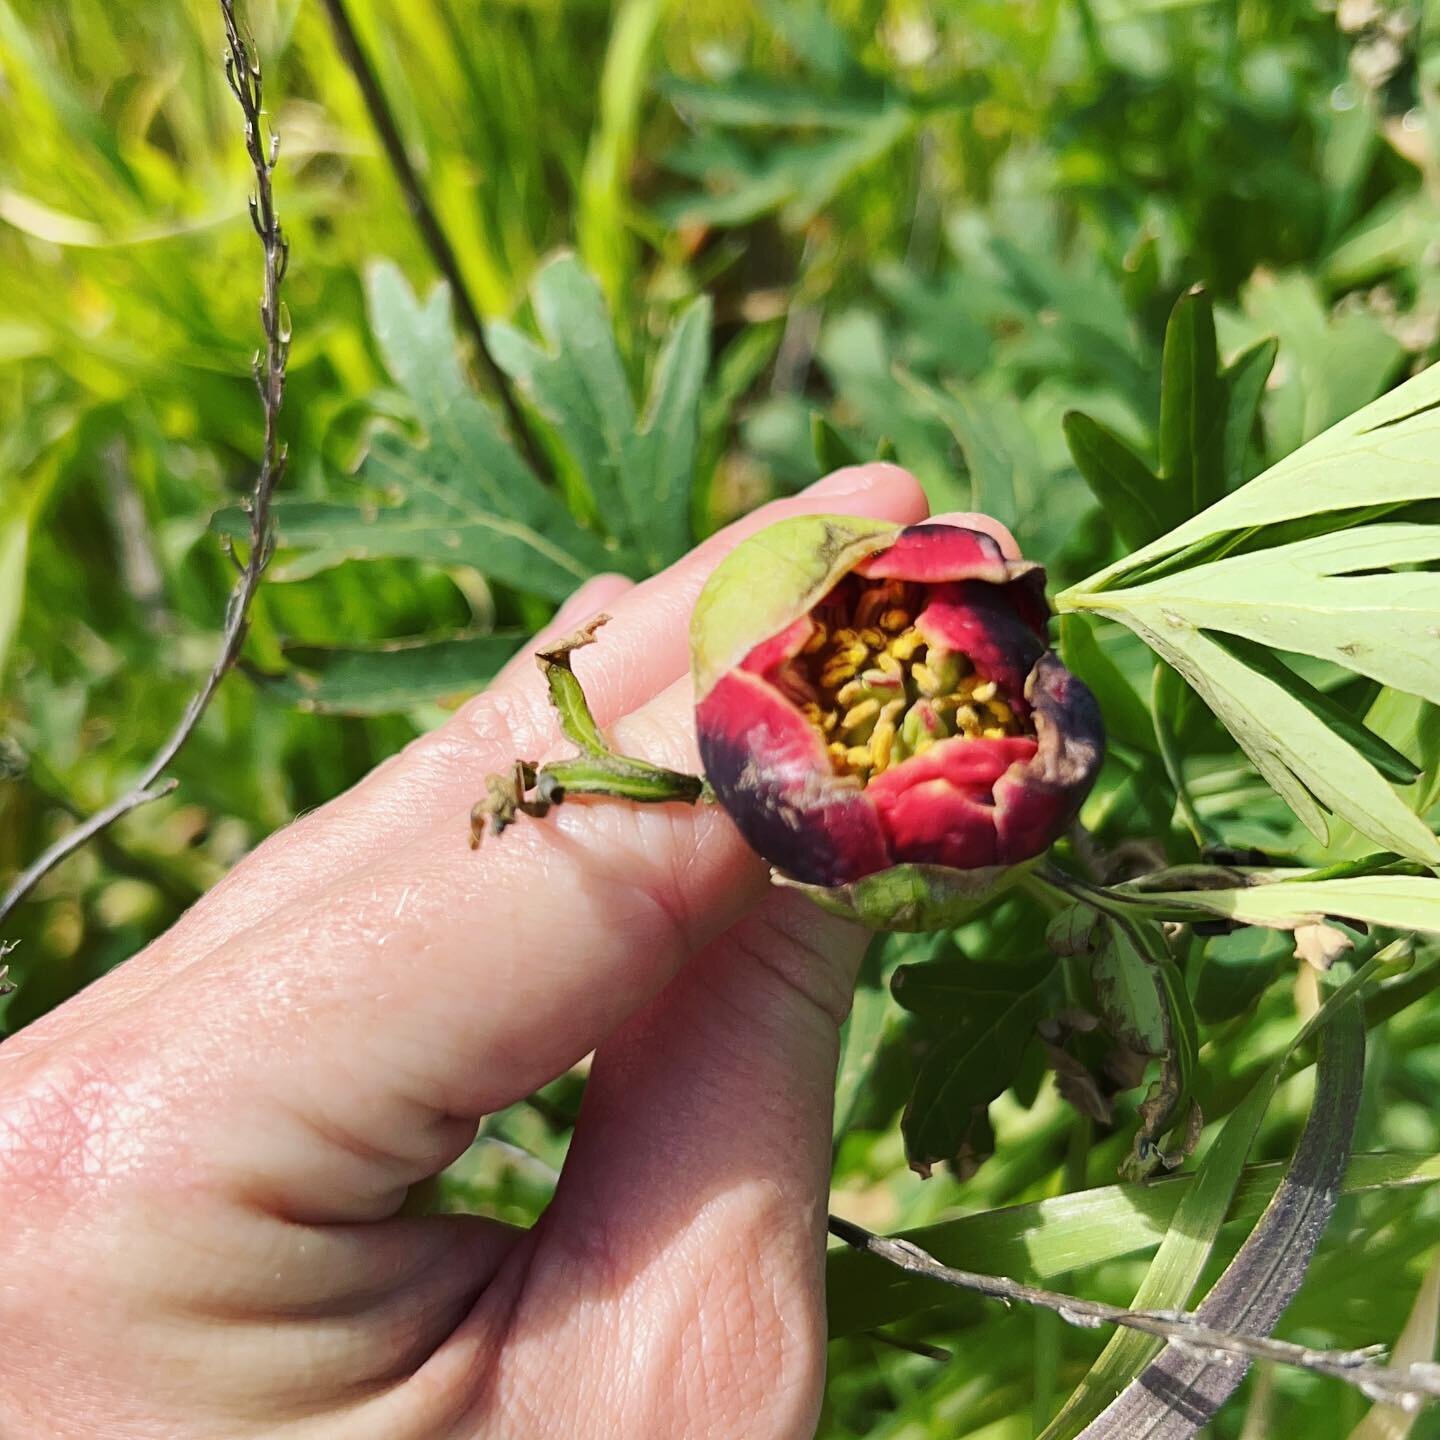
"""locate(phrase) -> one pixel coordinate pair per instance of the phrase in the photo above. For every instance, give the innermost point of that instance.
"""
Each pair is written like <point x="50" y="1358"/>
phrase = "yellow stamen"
<point x="903" y="646"/>
<point x="858" y="756"/>
<point x="985" y="693"/>
<point x="894" y="620"/>
<point x="925" y="678"/>
<point x="865" y="710"/>
<point x="817" y="639"/>
<point x="882" y="738"/>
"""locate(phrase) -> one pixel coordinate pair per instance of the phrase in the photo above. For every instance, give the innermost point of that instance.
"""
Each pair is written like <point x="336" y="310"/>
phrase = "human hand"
<point x="204" y="1157"/>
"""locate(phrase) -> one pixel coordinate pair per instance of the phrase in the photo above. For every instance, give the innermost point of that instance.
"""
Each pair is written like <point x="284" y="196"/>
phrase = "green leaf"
<point x="1277" y="898"/>
<point x="1244" y="381"/>
<point x="1176" y="1268"/>
<point x="832" y="450"/>
<point x="999" y="450"/>
<point x="1179" y="1392"/>
<point x="1192" y="410"/>
<point x="871" y="1019"/>
<point x="576" y="381"/>
<point x="1338" y="597"/>
<point x="1045" y="1239"/>
<point x="1389" y="761"/>
<point x="1297" y="753"/>
<point x="1118" y="478"/>
<point x="976" y="1059"/>
<point x="659" y="466"/>
<point x="463" y="496"/>
<point x="392" y="677"/>
<point x="1394" y="442"/>
<point x="752" y="101"/>
<point x="1128" y="994"/>
<point x="951" y="990"/>
<point x="637" y="473"/>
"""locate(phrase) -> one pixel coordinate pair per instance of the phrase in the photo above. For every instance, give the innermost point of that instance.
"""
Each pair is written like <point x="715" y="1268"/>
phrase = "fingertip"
<point x="896" y="492"/>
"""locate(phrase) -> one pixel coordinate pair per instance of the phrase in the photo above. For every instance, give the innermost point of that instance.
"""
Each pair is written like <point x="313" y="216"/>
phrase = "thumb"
<point x="694" y="1193"/>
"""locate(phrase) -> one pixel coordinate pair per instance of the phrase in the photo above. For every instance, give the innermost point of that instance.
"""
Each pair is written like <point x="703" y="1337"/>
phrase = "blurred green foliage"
<point x="940" y="227"/>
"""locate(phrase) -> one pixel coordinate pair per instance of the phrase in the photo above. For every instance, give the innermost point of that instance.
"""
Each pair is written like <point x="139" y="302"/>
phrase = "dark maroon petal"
<point x="769" y="770"/>
<point x="1035" y="804"/>
<point x="978" y="620"/>
<point x="937" y="807"/>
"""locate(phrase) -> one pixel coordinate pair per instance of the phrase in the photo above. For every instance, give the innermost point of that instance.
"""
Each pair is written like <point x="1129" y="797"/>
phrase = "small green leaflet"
<point x="637" y="471"/>
<point x="460" y="493"/>
<point x="464" y="495"/>
<point x="984" y="1015"/>
<point x="1207" y="411"/>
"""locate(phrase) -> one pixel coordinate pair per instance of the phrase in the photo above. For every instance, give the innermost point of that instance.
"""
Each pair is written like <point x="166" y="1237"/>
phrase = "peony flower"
<point x="879" y="711"/>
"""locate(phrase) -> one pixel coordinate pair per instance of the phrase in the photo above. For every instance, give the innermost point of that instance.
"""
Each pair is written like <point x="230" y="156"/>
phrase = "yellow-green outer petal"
<point x="770" y="580"/>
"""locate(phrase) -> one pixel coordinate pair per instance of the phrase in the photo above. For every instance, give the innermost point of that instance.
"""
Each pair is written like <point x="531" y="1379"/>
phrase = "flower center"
<point x="871" y="684"/>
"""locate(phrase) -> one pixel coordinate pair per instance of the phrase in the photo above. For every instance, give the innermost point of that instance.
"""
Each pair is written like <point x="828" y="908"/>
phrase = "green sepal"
<point x="768" y="581"/>
<point x="911" y="897"/>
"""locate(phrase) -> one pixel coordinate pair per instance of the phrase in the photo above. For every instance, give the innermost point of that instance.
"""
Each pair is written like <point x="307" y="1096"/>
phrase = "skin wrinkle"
<point x="278" y="994"/>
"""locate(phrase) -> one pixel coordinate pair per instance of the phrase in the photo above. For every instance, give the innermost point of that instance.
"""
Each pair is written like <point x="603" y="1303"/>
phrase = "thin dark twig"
<point x="242" y="70"/>
<point x="1407" y="1386"/>
<point x="436" y="241"/>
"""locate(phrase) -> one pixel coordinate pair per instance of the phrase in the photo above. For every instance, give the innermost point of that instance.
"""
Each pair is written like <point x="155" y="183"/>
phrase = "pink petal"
<point x="936" y="553"/>
<point x="770" y="771"/>
<point x="769" y="655"/>
<point x="930" y="552"/>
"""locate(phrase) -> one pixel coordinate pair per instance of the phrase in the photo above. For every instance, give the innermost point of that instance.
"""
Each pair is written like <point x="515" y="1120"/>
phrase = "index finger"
<point x="644" y="649"/>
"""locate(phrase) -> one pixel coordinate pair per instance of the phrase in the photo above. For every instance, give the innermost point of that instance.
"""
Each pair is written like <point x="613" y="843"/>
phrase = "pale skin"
<point x="204" y="1156"/>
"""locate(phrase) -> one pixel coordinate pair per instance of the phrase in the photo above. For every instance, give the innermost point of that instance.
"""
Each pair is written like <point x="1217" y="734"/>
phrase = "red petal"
<point x="978" y="620"/>
<point x="769" y="655"/>
<point x="942" y="552"/>
<point x="937" y="808"/>
<point x="936" y="553"/>
<point x="770" y="771"/>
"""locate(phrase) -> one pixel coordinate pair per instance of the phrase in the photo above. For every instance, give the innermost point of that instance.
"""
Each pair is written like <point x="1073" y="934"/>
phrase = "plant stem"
<point x="432" y="233"/>
<point x="242" y="70"/>
<point x="1403" y="1385"/>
